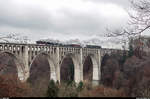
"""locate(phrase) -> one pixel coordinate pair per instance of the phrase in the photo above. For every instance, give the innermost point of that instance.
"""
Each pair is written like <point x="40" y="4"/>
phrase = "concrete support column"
<point x="78" y="67"/>
<point x="53" y="75"/>
<point x="95" y="75"/>
<point x="20" y="52"/>
<point x="25" y="61"/>
<point x="99" y="63"/>
<point x="77" y="75"/>
<point x="81" y="64"/>
<point x="57" y="64"/>
<point x="97" y="69"/>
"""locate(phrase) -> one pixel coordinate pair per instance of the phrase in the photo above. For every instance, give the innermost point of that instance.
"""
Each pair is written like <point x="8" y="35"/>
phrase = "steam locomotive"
<point x="57" y="44"/>
<point x="66" y="45"/>
<point x="47" y="43"/>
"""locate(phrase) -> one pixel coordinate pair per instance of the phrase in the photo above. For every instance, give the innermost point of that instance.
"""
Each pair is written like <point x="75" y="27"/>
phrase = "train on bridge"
<point x="66" y="45"/>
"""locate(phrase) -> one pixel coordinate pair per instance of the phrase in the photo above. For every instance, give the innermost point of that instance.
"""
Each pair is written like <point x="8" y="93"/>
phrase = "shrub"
<point x="52" y="89"/>
<point x="10" y="86"/>
<point x="66" y="90"/>
<point x="80" y="86"/>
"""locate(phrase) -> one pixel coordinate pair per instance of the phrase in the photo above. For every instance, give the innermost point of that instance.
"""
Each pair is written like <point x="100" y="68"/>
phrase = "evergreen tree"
<point x="123" y="58"/>
<point x="130" y="52"/>
<point x="52" y="89"/>
<point x="80" y="86"/>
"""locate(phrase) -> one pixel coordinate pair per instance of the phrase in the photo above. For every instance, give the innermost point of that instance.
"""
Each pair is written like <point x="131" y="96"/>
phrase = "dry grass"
<point x="101" y="91"/>
<point x="11" y="87"/>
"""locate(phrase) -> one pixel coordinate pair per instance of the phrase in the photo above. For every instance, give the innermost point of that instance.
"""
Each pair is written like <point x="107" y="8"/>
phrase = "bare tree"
<point x="139" y="19"/>
<point x="138" y="23"/>
<point x="17" y="38"/>
<point x="120" y="36"/>
<point x="140" y="16"/>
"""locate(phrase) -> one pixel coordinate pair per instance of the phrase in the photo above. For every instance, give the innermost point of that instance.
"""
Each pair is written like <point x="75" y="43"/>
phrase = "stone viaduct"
<point x="25" y="54"/>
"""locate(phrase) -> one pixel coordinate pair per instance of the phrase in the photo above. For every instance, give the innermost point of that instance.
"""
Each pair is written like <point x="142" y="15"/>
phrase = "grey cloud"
<point x="75" y="22"/>
<point x="38" y="20"/>
<point x="124" y="3"/>
<point x="23" y="18"/>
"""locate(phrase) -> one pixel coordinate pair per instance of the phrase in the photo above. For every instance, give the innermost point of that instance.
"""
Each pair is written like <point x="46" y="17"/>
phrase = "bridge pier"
<point x="25" y="61"/>
<point x="57" y="59"/>
<point x="81" y="64"/>
<point x="97" y="70"/>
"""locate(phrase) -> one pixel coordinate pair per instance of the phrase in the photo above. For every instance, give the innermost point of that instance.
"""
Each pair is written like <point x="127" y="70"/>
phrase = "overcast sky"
<point x="62" y="19"/>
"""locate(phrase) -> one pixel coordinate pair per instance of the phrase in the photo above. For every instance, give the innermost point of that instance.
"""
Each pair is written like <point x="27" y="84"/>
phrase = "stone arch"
<point x="20" y="69"/>
<point x="105" y="69"/>
<point x="104" y="58"/>
<point x="88" y="69"/>
<point x="95" y="67"/>
<point x="51" y="63"/>
<point x="76" y="64"/>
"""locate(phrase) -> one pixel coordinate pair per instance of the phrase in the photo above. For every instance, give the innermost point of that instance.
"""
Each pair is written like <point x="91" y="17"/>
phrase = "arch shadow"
<point x="75" y="68"/>
<point x="20" y="69"/>
<point x="51" y="68"/>
<point x="93" y="69"/>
